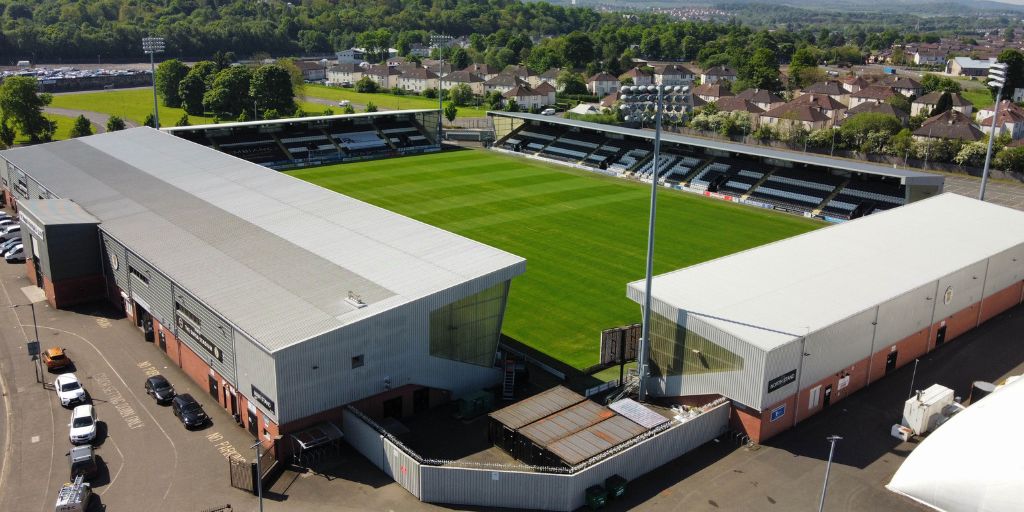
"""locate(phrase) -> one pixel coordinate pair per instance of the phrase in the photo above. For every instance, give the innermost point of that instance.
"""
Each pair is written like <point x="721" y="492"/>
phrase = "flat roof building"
<point x="788" y="328"/>
<point x="287" y="299"/>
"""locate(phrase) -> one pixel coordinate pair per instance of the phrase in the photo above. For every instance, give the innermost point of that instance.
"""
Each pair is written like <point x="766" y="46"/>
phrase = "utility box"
<point x="73" y="497"/>
<point x="923" y="411"/>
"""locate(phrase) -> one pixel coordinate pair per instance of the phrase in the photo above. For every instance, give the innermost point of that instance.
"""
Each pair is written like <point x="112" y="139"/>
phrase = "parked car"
<point x="16" y="255"/>
<point x="11" y="231"/>
<point x="82" y="460"/>
<point x="6" y="216"/>
<point x="344" y="103"/>
<point x="8" y="245"/>
<point x="188" y="410"/>
<point x="547" y="112"/>
<point x="55" y="358"/>
<point x="83" y="425"/>
<point x="158" y="388"/>
<point x="69" y="390"/>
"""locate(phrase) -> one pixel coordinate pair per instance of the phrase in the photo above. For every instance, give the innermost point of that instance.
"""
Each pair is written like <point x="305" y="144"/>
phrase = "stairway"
<point x="767" y="174"/>
<point x="830" y="197"/>
<point x="508" y="384"/>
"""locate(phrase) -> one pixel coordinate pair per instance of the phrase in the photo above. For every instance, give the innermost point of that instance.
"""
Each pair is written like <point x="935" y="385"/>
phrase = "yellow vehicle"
<point x="54" y="358"/>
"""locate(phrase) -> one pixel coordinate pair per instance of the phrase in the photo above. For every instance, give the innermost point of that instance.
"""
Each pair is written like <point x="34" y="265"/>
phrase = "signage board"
<point x="263" y="399"/>
<point x="781" y="380"/>
<point x="620" y="344"/>
<point x="33" y="348"/>
<point x="778" y="412"/>
<point x="196" y="336"/>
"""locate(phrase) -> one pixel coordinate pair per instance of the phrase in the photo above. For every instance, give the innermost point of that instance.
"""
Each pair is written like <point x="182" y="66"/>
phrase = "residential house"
<point x="639" y="76"/>
<point x="926" y="57"/>
<point x="1010" y="120"/>
<point x="854" y="83"/>
<point x="385" y="76"/>
<point x="548" y="91"/>
<point x="419" y="50"/>
<point x="396" y="61"/>
<point x="672" y="74"/>
<point x="876" y="108"/>
<point x="832" y="88"/>
<point x="503" y="83"/>
<point x="351" y="56"/>
<point x="905" y="86"/>
<point x="718" y="74"/>
<point x="344" y="74"/>
<point x="417" y="79"/>
<point x="610" y="100"/>
<point x="929" y="101"/>
<point x="483" y="70"/>
<point x="966" y="66"/>
<point x="473" y="80"/>
<point x="875" y="94"/>
<point x="734" y="104"/>
<point x="795" y="115"/>
<point x="517" y="71"/>
<point x="602" y="84"/>
<point x="549" y="77"/>
<point x="950" y="124"/>
<point x="824" y="103"/>
<point x="526" y="98"/>
<point x="712" y="92"/>
<point x="763" y="98"/>
<point x="440" y="68"/>
<point x="312" y="71"/>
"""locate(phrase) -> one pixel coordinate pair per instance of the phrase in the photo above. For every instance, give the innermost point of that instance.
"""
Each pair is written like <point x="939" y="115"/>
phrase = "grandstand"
<point x="811" y="185"/>
<point x="312" y="141"/>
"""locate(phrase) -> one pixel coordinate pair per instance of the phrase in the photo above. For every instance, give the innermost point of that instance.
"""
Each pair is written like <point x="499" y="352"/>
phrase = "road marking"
<point x="224" y="447"/>
<point x="35" y="439"/>
<point x="119" y="468"/>
<point x="103" y="323"/>
<point x="115" y="398"/>
<point x="148" y="369"/>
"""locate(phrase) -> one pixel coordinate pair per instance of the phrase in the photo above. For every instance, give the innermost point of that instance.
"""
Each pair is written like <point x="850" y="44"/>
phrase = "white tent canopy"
<point x="972" y="463"/>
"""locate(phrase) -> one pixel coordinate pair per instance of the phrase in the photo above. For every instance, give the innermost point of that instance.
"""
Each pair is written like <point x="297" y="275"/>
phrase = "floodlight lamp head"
<point x="996" y="83"/>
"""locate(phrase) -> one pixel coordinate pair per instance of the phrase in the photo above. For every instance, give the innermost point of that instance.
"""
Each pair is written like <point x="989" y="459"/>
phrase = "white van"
<point x="547" y="112"/>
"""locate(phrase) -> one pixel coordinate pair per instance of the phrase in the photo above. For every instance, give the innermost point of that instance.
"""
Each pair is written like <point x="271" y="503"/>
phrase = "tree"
<point x="945" y="103"/>
<point x="804" y="58"/>
<point x="115" y="123"/>
<point x="169" y="75"/>
<point x="370" y="107"/>
<point x="1011" y="159"/>
<point x="511" y="106"/>
<point x="273" y="114"/>
<point x="899" y="102"/>
<point x="367" y="85"/>
<point x="579" y="49"/>
<point x="348" y="109"/>
<point x="271" y="88"/>
<point x="932" y="83"/>
<point x="7" y="134"/>
<point x="460" y="95"/>
<point x="1014" y="61"/>
<point x="376" y="42"/>
<point x="760" y="71"/>
<point x="23" y="107"/>
<point x="459" y="58"/>
<point x="194" y="85"/>
<point x="149" y="121"/>
<point x="328" y="111"/>
<point x="1008" y="34"/>
<point x="973" y="154"/>
<point x="571" y="83"/>
<point x="229" y="94"/>
<point x="243" y="117"/>
<point x="450" y="111"/>
<point x="858" y="128"/>
<point x="81" y="128"/>
<point x="183" y="121"/>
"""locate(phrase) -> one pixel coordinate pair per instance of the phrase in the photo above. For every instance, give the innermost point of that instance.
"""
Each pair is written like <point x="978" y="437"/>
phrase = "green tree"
<point x="22" y="105"/>
<point x="460" y="95"/>
<point x="7" y="134"/>
<point x="1014" y="61"/>
<point x="348" y="109"/>
<point x="243" y="117"/>
<point x="370" y="107"/>
<point x="760" y="71"/>
<point x="973" y="154"/>
<point x="450" y="111"/>
<point x="899" y="102"/>
<point x="579" y="49"/>
<point x="115" y="123"/>
<point x="229" y="94"/>
<point x="81" y="128"/>
<point x="857" y="129"/>
<point x="511" y="106"/>
<point x="272" y="114"/>
<point x="1011" y="159"/>
<point x="571" y="83"/>
<point x="945" y="103"/>
<point x="931" y="82"/>
<point x="459" y="58"/>
<point x="149" y="121"/>
<point x="366" y="84"/>
<point x="271" y="88"/>
<point x="168" y="79"/>
<point x="803" y="59"/>
<point x="183" y="121"/>
<point x="194" y="85"/>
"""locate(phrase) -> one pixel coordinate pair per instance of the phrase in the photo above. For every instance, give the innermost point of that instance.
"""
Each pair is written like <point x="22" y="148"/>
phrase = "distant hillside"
<point x="920" y="7"/>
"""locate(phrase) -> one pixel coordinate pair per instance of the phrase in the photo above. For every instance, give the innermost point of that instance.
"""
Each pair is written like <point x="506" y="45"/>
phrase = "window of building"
<point x="678" y="351"/>
<point x="138" y="275"/>
<point x="357" y="361"/>
<point x="468" y="330"/>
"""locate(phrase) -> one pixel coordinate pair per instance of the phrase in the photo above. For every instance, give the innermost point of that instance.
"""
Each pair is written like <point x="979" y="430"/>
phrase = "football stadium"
<point x="411" y="273"/>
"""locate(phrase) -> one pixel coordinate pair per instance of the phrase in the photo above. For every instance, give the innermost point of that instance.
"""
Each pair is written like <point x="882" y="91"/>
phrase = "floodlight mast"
<point x="997" y="79"/>
<point x="152" y="46"/>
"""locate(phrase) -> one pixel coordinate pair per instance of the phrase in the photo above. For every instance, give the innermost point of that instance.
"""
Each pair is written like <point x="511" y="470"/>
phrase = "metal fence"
<point x="242" y="474"/>
<point x="534" y="488"/>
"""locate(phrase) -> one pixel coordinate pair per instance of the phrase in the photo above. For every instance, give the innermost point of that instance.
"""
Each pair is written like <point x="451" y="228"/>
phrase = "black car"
<point x="158" y="388"/>
<point x="188" y="410"/>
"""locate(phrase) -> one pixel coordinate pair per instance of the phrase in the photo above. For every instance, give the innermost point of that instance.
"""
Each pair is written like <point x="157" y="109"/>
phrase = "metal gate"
<point x="243" y="474"/>
<point x="402" y="468"/>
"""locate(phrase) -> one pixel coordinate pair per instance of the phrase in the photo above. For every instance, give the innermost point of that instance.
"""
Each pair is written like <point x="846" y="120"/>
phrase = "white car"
<point x="69" y="389"/>
<point x="15" y="255"/>
<point x="344" y="103"/>
<point x="83" y="425"/>
<point x="547" y="112"/>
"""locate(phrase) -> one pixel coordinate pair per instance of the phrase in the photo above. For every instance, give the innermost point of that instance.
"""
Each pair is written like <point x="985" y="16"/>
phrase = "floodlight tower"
<point x="997" y="79"/>
<point x="152" y="46"/>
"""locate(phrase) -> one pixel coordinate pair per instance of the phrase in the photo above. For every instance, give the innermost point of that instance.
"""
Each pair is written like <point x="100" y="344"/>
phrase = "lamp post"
<point x="440" y="100"/>
<point x="152" y="46"/>
<point x="645" y="103"/>
<point x="35" y="328"/>
<point x="833" y="439"/>
<point x="259" y="474"/>
<point x="997" y="79"/>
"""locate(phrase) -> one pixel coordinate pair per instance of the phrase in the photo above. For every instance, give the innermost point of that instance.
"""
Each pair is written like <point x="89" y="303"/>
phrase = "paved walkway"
<point x="98" y="119"/>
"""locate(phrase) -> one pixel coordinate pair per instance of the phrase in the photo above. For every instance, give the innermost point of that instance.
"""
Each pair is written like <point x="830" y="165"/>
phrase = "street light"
<point x="641" y="103"/>
<point x="832" y="440"/>
<point x="152" y="46"/>
<point x="35" y="327"/>
<point x="259" y="474"/>
<point x="997" y="79"/>
<point x="440" y="100"/>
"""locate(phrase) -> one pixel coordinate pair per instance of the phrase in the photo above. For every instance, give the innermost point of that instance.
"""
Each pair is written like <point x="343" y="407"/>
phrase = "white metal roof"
<point x="968" y="464"/>
<point x="297" y="120"/>
<point x="276" y="256"/>
<point x="775" y="293"/>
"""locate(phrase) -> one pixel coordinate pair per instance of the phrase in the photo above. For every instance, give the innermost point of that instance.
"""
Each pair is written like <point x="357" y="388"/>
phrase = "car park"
<point x="11" y="231"/>
<point x="158" y="388"/>
<point x="82" y="460"/>
<point x="55" y="358"/>
<point x="9" y="244"/>
<point x="83" y="425"/>
<point x="16" y="255"/>
<point x="188" y="410"/>
<point x="69" y="390"/>
<point x="4" y="223"/>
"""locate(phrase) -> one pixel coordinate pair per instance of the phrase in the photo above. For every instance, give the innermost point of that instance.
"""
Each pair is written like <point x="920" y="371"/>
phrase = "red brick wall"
<point x="858" y="374"/>
<point x="957" y="323"/>
<point x="1000" y="301"/>
<point x="30" y="267"/>
<point x="195" y="367"/>
<point x="908" y="349"/>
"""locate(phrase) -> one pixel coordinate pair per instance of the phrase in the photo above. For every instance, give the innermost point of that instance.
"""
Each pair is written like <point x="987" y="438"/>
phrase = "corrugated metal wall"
<point x="904" y="315"/>
<point x="546" y="491"/>
<point x="401" y="467"/>
<point x="256" y="368"/>
<point x="838" y="346"/>
<point x="964" y="287"/>
<point x="778" y="363"/>
<point x="1004" y="269"/>
<point x="363" y="438"/>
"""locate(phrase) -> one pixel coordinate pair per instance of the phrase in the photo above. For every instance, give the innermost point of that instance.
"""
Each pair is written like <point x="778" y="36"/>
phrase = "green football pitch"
<point x="584" y="236"/>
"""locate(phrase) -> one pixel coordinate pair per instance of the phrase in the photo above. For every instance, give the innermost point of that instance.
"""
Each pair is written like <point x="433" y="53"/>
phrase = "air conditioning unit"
<point x="923" y="411"/>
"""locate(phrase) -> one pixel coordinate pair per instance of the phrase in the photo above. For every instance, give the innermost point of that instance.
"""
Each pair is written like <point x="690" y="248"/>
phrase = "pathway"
<point x="98" y="119"/>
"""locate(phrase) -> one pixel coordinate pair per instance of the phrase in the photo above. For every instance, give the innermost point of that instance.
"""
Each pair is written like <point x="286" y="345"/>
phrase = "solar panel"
<point x="637" y="413"/>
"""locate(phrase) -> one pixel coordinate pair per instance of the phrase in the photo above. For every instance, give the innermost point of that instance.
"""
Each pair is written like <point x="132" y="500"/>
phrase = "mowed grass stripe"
<point x="584" y="236"/>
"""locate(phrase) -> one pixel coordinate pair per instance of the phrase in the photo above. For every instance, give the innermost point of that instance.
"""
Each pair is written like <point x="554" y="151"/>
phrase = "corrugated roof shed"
<point x="595" y="439"/>
<point x="276" y="256"/>
<point x="773" y="294"/>
<point x="566" y="422"/>
<point x="541" y="405"/>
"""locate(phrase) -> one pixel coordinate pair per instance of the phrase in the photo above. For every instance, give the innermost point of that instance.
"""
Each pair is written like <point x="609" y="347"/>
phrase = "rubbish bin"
<point x="596" y="497"/>
<point x="616" y="487"/>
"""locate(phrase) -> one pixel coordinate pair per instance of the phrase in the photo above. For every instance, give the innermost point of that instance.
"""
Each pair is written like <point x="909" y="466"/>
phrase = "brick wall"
<point x="1000" y="301"/>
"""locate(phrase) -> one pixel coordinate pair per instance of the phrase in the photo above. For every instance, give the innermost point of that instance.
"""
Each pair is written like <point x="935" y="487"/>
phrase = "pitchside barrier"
<point x="495" y="485"/>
